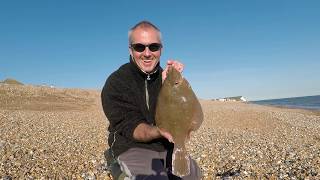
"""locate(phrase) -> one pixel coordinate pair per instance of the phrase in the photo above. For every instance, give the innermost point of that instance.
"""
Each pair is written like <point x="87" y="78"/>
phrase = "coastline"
<point x="301" y="102"/>
<point x="297" y="108"/>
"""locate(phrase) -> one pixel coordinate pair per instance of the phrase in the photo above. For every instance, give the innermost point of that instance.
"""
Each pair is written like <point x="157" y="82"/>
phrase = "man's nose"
<point x="147" y="52"/>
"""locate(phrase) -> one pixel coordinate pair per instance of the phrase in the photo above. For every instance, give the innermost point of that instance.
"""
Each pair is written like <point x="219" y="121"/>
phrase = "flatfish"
<point x="179" y="112"/>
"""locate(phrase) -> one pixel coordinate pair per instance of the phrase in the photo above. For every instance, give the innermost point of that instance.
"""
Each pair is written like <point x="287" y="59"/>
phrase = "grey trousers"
<point x="139" y="163"/>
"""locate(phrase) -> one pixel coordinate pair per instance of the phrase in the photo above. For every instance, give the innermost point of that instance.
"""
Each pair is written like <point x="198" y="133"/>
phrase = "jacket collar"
<point x="145" y="75"/>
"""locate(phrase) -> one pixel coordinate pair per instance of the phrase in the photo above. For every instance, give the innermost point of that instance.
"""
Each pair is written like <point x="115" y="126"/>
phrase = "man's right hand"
<point x="145" y="133"/>
<point x="166" y="135"/>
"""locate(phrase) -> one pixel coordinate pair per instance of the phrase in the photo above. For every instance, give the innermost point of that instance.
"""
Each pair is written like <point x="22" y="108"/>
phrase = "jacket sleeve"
<point x="120" y="107"/>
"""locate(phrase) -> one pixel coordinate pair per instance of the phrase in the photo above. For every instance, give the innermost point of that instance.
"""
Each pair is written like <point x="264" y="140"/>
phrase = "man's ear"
<point x="130" y="51"/>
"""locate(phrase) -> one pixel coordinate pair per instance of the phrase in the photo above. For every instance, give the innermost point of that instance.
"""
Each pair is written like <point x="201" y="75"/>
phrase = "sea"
<point x="305" y="102"/>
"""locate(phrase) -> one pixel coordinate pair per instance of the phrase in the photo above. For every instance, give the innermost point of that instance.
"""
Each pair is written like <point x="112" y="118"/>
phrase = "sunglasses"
<point x="153" y="47"/>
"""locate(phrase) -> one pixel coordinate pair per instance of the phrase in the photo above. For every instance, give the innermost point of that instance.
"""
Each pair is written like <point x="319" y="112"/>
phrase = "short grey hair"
<point x="144" y="25"/>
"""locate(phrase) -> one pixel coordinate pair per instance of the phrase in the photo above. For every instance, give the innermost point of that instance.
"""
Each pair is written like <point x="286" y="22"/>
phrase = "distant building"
<point x="46" y="85"/>
<point x="236" y="98"/>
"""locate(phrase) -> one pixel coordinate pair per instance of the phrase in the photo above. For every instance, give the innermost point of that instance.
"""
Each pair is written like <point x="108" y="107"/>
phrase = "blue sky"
<point x="257" y="49"/>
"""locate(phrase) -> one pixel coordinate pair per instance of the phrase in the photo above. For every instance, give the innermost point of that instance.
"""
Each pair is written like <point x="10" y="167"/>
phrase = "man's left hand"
<point x="176" y="64"/>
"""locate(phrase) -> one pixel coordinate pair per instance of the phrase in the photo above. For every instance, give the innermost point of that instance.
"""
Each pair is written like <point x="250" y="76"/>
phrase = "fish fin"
<point x="197" y="118"/>
<point x="180" y="162"/>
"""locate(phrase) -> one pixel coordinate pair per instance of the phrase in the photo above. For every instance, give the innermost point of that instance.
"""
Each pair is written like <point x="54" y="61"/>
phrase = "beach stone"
<point x="6" y="178"/>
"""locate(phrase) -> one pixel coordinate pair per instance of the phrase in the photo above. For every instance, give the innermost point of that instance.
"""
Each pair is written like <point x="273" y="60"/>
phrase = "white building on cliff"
<point x="236" y="98"/>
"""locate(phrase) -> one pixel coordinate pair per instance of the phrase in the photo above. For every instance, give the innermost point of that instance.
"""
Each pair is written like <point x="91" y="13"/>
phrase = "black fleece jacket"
<point x="124" y="101"/>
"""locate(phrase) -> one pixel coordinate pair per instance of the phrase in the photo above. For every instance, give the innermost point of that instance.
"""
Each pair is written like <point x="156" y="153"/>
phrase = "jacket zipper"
<point x="146" y="88"/>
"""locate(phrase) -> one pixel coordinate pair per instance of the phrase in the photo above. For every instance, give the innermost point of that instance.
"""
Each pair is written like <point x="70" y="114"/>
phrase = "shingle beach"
<point x="52" y="133"/>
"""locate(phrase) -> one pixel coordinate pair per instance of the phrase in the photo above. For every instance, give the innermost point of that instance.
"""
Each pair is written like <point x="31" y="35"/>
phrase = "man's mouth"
<point x="147" y="61"/>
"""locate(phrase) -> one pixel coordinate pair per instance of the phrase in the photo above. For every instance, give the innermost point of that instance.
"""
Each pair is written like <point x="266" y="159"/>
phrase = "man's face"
<point x="147" y="59"/>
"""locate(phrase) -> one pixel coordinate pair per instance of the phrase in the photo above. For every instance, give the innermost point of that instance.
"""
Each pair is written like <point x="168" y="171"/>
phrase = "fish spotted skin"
<point x="179" y="112"/>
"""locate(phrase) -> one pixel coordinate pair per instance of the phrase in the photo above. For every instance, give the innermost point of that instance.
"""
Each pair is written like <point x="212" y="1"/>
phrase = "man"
<point x="129" y="100"/>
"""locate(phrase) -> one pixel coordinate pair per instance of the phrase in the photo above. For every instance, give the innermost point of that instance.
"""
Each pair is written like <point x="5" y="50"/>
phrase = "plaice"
<point x="179" y="112"/>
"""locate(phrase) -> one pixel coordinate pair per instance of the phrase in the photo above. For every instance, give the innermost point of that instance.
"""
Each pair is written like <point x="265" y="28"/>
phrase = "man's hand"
<point x="145" y="133"/>
<point x="176" y="64"/>
<point x="166" y="135"/>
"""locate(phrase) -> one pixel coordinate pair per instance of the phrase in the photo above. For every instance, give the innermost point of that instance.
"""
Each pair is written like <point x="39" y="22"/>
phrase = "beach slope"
<point x="61" y="133"/>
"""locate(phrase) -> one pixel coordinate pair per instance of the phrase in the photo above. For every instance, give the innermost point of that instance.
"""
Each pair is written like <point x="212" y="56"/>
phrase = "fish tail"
<point x="180" y="162"/>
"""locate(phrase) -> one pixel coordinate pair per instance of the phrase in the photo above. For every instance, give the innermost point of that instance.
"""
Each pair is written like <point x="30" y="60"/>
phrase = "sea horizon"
<point x="301" y="102"/>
